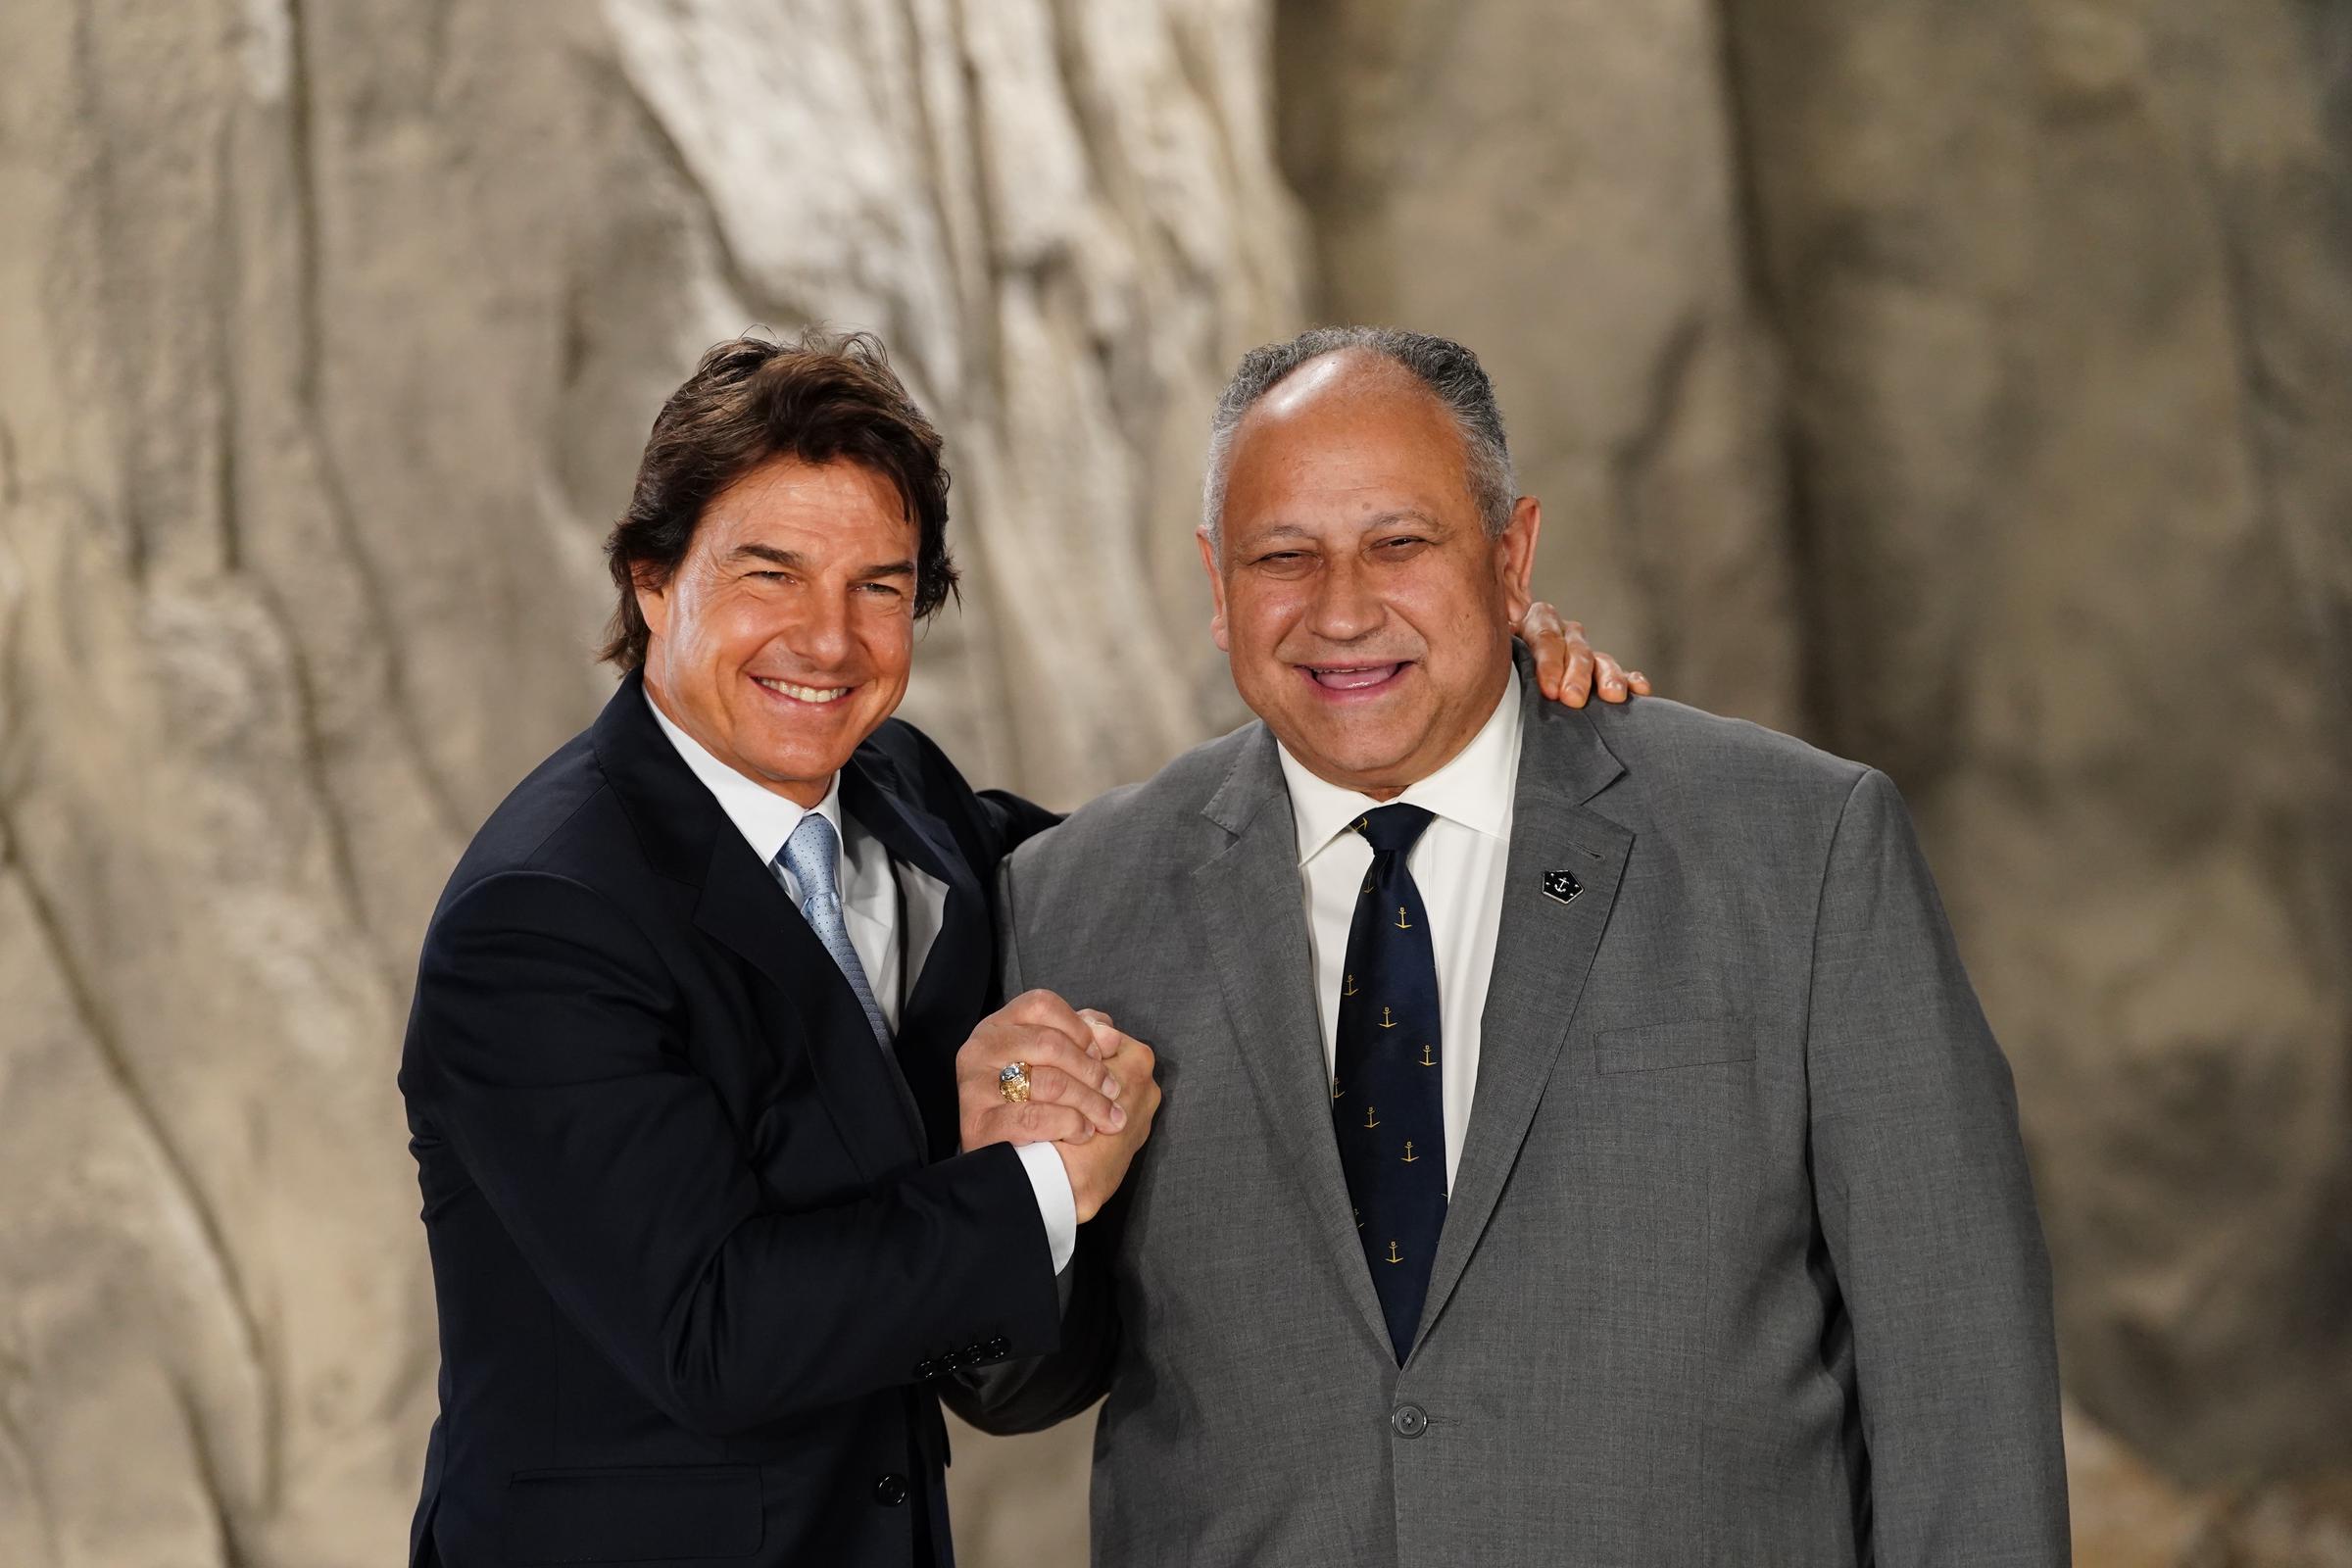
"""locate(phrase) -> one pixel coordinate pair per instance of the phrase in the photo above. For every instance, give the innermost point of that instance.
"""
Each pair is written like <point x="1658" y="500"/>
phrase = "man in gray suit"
<point x="1581" y="1142"/>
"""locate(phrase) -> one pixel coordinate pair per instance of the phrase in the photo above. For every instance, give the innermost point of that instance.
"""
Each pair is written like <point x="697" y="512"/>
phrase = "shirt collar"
<point x="764" y="818"/>
<point x="1474" y="788"/>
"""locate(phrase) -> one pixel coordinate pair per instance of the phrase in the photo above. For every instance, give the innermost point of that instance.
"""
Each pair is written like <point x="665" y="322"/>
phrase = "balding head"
<point x="1443" y="369"/>
<point x="1363" y="598"/>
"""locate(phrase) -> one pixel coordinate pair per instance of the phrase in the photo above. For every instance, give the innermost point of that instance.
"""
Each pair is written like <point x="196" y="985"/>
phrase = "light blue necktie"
<point x="810" y="854"/>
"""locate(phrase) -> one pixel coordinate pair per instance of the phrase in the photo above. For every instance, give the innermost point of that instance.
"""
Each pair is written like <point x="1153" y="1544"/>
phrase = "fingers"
<point x="1576" y="684"/>
<point x="1039" y="1029"/>
<point x="1050" y="1086"/>
<point x="1059" y="1075"/>
<point x="1139" y="1069"/>
<point x="1609" y="679"/>
<point x="1032" y="1123"/>
<point x="1616" y="683"/>
<point x="1551" y="648"/>
<point x="1064" y="1053"/>
<point x="1045" y="1010"/>
<point x="1099" y="1027"/>
<point x="1557" y="663"/>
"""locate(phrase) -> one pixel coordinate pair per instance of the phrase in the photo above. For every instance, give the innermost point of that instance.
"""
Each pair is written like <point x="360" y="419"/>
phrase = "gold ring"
<point x="1013" y="1082"/>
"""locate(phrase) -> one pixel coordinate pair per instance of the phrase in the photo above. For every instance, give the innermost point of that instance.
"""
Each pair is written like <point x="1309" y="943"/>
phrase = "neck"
<point x="800" y="792"/>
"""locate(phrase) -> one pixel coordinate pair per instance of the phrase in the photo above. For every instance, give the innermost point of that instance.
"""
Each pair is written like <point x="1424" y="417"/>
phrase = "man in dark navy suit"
<point x="710" y="1218"/>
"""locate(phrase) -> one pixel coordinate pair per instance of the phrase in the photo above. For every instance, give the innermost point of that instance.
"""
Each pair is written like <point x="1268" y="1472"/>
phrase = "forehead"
<point x="1345" y="434"/>
<point x="839" y="502"/>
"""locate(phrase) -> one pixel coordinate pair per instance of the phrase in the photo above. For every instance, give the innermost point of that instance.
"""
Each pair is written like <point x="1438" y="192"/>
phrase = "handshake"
<point x="1089" y="1090"/>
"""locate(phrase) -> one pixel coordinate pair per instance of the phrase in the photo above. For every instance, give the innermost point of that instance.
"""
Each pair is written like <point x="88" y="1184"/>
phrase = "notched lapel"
<point x="1249" y="897"/>
<point x="953" y="983"/>
<point x="1542" y="953"/>
<point x="744" y="908"/>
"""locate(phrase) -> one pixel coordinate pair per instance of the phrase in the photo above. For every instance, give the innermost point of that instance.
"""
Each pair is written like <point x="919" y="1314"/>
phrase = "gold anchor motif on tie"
<point x="1393" y="1256"/>
<point x="1369" y="1121"/>
<point x="1362" y="823"/>
<point x="1359" y="1219"/>
<point x="1400" y="920"/>
<point x="1410" y="1158"/>
<point x="1349" y="989"/>
<point x="1386" y="1022"/>
<point x="1427" y="1060"/>
<point x="1336" y="1090"/>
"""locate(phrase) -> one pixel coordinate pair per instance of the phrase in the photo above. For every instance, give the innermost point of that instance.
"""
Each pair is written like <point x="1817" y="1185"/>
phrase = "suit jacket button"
<point x="890" y="1490"/>
<point x="925" y="1370"/>
<point x="1409" y="1420"/>
<point x="999" y="1345"/>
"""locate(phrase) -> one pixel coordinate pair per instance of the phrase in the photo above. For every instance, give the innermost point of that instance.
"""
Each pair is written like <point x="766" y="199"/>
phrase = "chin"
<point x="798" y="761"/>
<point x="1357" y="759"/>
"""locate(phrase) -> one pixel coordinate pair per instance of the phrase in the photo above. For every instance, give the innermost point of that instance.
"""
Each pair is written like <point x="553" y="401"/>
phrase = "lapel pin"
<point x="1561" y="886"/>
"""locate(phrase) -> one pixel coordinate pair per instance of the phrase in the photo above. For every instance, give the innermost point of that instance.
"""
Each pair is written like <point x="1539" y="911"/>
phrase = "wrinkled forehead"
<point x="1347" y="439"/>
<point x="842" y="501"/>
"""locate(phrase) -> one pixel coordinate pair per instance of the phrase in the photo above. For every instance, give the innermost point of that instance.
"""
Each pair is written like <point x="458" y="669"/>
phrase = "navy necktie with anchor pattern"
<point x="1387" y="1101"/>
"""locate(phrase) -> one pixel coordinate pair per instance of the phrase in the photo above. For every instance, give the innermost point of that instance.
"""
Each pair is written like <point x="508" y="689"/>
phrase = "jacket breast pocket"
<point x="1679" y="1042"/>
<point x="665" y="1512"/>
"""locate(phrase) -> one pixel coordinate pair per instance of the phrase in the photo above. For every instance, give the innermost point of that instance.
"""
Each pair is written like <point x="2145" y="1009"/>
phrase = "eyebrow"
<point x="1292" y="530"/>
<point x="793" y="561"/>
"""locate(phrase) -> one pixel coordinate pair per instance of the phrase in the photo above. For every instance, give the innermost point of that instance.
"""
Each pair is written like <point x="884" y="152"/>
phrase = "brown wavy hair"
<point x="821" y="397"/>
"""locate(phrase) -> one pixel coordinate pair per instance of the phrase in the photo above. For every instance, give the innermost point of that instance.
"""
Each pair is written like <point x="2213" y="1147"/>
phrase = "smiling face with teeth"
<point x="1364" y="607"/>
<point x="783" y="638"/>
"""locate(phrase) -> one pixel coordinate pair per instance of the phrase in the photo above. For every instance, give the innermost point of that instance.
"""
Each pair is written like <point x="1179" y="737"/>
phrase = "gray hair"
<point x="1451" y="373"/>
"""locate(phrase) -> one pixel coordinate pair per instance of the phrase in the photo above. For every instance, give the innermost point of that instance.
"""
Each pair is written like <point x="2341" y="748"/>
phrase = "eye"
<point x="1397" y="546"/>
<point x="883" y="590"/>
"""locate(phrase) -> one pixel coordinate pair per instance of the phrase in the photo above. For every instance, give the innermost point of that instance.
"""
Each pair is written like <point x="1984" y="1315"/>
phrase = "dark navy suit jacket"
<point x="705" y="1259"/>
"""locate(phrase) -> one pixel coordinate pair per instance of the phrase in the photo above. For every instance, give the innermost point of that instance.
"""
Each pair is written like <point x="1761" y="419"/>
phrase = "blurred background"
<point x="1965" y="387"/>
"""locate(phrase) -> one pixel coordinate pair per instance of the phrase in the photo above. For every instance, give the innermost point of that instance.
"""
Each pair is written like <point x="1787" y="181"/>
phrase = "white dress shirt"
<point x="871" y="894"/>
<point x="1458" y="865"/>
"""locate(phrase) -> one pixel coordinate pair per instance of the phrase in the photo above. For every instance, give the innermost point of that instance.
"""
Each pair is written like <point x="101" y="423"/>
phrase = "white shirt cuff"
<point x="1055" y="1204"/>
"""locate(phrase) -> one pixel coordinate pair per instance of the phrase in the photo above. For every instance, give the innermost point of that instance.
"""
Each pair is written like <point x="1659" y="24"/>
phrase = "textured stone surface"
<point x="2127" y="1515"/>
<point x="1966" y="387"/>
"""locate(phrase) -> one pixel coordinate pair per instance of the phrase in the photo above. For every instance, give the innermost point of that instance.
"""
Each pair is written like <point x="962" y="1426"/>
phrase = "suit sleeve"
<point x="1928" y="1213"/>
<point x="551" y="1062"/>
<point x="999" y="820"/>
<point x="1033" y="1394"/>
<point x="1013" y="822"/>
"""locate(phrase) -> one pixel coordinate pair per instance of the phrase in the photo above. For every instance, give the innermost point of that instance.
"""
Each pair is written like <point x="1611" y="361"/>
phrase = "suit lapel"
<point x="1543" y="952"/>
<point x="947" y="994"/>
<point x="1248" y="896"/>
<point x="739" y="904"/>
<point x="744" y="907"/>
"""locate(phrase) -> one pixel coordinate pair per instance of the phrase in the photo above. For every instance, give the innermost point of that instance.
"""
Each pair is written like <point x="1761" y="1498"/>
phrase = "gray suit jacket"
<point x="1740" y="1265"/>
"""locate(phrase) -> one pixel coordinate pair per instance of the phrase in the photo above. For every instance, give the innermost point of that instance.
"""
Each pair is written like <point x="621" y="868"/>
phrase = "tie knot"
<point x="1392" y="830"/>
<point x="810" y="854"/>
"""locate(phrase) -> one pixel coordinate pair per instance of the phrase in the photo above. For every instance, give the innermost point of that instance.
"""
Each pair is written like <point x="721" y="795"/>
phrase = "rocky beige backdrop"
<point x="1970" y="388"/>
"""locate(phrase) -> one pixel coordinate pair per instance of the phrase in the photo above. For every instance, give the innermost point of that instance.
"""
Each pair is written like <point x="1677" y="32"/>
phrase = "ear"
<point x="1515" y="555"/>
<point x="652" y="598"/>
<point x="1217" y="590"/>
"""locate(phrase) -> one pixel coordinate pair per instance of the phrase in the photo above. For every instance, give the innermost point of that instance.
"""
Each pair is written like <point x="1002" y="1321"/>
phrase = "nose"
<point x="1346" y="606"/>
<point x="819" y="637"/>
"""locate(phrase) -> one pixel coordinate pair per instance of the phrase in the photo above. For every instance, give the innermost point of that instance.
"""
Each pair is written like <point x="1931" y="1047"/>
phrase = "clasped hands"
<point x="1090" y="1090"/>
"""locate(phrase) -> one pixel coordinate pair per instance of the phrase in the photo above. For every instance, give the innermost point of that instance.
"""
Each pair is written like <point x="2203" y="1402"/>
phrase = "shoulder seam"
<point x="603" y="901"/>
<point x="1821" y="891"/>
